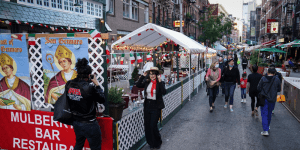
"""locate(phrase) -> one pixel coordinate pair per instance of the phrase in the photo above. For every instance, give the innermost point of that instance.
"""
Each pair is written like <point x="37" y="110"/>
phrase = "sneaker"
<point x="231" y="110"/>
<point x="245" y="100"/>
<point x="211" y="110"/>
<point x="265" y="133"/>
<point x="273" y="112"/>
<point x="242" y="101"/>
<point x="252" y="114"/>
<point x="225" y="106"/>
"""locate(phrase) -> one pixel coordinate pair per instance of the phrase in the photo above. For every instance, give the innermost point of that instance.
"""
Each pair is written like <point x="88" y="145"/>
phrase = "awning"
<point x="107" y="27"/>
<point x="288" y="44"/>
<point x="219" y="47"/>
<point x="150" y="36"/>
<point x="296" y="43"/>
<point x="274" y="50"/>
<point x="277" y="45"/>
<point x="269" y="43"/>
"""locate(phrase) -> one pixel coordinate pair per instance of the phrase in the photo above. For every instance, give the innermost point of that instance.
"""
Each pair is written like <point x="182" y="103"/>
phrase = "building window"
<point x="111" y="6"/>
<point x="146" y="14"/>
<point x="134" y="10"/>
<point x="126" y="11"/>
<point x="98" y="10"/>
<point x="46" y="3"/>
<point x="39" y="2"/>
<point x="90" y="8"/>
<point x="79" y="9"/>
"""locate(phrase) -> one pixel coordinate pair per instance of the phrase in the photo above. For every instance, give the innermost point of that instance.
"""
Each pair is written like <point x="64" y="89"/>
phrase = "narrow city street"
<point x="195" y="128"/>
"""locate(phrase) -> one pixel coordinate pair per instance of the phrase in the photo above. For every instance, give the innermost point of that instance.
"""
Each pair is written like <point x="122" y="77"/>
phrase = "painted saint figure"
<point x="14" y="93"/>
<point x="57" y="83"/>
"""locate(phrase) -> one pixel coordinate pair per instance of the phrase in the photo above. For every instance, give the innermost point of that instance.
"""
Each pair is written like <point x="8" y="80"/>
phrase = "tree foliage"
<point x="214" y="27"/>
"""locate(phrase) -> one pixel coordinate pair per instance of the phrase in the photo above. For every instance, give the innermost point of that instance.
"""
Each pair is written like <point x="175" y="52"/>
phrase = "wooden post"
<point x="258" y="57"/>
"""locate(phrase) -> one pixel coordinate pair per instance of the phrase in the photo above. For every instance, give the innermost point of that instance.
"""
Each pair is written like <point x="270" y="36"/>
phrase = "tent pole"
<point x="177" y="65"/>
<point x="258" y="57"/>
<point x="190" y="78"/>
<point x="172" y="56"/>
<point x="110" y="70"/>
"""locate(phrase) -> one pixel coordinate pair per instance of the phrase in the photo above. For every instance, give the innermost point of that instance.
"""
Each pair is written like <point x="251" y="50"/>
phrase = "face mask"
<point x="230" y="65"/>
<point x="217" y="66"/>
<point x="225" y="59"/>
<point x="244" y="78"/>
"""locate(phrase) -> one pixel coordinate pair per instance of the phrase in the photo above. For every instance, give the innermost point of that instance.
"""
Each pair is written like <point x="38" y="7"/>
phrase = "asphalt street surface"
<point x="195" y="128"/>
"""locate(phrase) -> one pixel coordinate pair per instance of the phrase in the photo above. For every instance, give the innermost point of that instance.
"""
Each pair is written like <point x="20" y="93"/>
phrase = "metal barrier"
<point x="291" y="91"/>
<point x="129" y="131"/>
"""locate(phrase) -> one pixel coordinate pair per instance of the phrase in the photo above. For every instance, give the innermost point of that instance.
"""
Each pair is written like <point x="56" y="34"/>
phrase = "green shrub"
<point x="115" y="95"/>
<point x="158" y="66"/>
<point x="134" y="73"/>
<point x="254" y="58"/>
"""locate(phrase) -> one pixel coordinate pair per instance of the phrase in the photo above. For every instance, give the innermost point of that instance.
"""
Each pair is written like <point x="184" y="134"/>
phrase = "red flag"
<point x="17" y="36"/>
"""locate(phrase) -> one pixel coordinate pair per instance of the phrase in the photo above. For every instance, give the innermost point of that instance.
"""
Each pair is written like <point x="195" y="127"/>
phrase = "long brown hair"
<point x="212" y="66"/>
<point x="148" y="75"/>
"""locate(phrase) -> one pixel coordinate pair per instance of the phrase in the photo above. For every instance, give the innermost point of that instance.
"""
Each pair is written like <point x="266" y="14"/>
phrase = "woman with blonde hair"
<point x="213" y="77"/>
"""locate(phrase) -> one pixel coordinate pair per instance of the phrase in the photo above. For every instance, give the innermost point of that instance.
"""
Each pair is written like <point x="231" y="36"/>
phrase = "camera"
<point x="92" y="76"/>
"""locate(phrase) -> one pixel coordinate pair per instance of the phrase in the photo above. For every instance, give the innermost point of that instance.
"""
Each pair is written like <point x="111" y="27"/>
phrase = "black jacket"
<point x="232" y="75"/>
<point x="83" y="97"/>
<point x="160" y="91"/>
<point x="244" y="61"/>
<point x="253" y="80"/>
<point x="265" y="84"/>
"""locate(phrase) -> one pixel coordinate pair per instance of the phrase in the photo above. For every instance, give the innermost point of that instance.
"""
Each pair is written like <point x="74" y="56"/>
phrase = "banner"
<point x="36" y="130"/>
<point x="59" y="56"/>
<point x="274" y="27"/>
<point x="269" y="21"/>
<point x="14" y="73"/>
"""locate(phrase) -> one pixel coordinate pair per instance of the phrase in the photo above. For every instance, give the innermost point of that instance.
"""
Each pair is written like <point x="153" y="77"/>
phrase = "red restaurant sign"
<point x="36" y="130"/>
<point x="269" y="21"/>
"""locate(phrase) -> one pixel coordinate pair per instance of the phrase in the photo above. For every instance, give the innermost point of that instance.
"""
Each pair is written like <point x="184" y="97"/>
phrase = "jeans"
<point x="90" y="131"/>
<point x="229" y="92"/>
<point x="253" y="102"/>
<point x="151" y="117"/>
<point x="244" y="66"/>
<point x="266" y="114"/>
<point x="223" y="88"/>
<point x="243" y="93"/>
<point x="212" y="95"/>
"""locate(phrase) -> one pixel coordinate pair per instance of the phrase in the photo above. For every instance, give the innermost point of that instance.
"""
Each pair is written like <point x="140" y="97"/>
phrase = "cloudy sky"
<point x="233" y="7"/>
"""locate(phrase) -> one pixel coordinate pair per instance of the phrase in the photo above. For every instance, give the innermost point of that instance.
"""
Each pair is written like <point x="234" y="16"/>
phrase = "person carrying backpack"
<point x="83" y="94"/>
<point x="244" y="63"/>
<point x="268" y="86"/>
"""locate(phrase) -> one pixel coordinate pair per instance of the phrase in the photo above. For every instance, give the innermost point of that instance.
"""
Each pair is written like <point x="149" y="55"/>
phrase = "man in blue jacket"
<point x="268" y="86"/>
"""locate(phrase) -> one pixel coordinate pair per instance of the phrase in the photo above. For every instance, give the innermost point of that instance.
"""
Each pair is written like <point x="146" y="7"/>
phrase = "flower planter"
<point x="116" y="110"/>
<point x="260" y="70"/>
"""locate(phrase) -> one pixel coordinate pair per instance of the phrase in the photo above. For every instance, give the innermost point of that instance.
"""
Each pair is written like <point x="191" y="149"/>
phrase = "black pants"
<point x="151" y="117"/>
<point x="212" y="94"/>
<point x="244" y="66"/>
<point x="90" y="131"/>
<point x="253" y="102"/>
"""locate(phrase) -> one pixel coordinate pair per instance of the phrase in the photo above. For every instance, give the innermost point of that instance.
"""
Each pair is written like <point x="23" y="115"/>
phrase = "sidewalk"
<point x="195" y="128"/>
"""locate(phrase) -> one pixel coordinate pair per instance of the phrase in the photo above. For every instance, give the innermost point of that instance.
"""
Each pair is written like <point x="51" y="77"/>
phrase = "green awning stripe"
<point x="70" y="34"/>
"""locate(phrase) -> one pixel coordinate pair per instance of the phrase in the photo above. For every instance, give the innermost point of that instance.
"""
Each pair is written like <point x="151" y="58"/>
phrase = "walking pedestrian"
<point x="236" y="60"/>
<point x="230" y="76"/>
<point x="213" y="77"/>
<point x="252" y="83"/>
<point x="222" y="66"/>
<point x="244" y="63"/>
<point x="278" y="75"/>
<point x="83" y="97"/>
<point x="243" y="81"/>
<point x="268" y="86"/>
<point x="154" y="91"/>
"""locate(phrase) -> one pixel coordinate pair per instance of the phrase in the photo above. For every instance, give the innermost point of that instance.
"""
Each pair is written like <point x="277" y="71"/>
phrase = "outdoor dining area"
<point x="176" y="55"/>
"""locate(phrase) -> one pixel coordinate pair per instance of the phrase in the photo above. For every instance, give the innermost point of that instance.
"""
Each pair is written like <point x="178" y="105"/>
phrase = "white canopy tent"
<point x="219" y="47"/>
<point x="151" y="35"/>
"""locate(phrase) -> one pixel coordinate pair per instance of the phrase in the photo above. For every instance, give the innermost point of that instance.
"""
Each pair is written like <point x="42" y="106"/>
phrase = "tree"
<point x="214" y="27"/>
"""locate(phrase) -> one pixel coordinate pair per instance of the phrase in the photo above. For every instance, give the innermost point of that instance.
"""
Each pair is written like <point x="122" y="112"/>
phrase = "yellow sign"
<point x="281" y="40"/>
<point x="176" y="23"/>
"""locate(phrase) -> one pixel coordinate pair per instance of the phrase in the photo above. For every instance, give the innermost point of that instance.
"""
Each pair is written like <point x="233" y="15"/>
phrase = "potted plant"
<point x="116" y="102"/>
<point x="188" y="17"/>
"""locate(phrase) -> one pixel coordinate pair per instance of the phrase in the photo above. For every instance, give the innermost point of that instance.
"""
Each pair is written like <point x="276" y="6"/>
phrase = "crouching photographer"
<point x="83" y="94"/>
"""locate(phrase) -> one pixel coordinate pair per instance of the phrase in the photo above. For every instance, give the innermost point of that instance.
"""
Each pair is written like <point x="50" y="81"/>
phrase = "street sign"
<point x="176" y="23"/>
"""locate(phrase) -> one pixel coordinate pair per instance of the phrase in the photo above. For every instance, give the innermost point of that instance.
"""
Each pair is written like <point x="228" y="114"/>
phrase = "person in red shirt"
<point x="243" y="81"/>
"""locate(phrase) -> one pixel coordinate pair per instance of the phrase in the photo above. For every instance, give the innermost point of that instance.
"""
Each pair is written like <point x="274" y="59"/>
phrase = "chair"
<point x="135" y="90"/>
